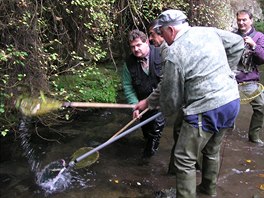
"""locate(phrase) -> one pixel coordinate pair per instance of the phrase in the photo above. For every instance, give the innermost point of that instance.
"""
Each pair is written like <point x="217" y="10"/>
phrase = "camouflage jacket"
<point x="198" y="74"/>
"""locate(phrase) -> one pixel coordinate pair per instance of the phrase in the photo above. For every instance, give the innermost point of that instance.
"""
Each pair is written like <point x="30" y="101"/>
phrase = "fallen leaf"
<point x="261" y="175"/>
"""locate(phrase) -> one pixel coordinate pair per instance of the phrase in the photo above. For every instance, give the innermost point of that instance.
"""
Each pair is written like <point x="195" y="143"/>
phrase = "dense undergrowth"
<point x="69" y="49"/>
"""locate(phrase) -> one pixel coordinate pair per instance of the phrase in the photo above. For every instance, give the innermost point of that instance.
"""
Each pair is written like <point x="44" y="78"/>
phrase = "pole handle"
<point x="97" y="105"/>
<point x="128" y="124"/>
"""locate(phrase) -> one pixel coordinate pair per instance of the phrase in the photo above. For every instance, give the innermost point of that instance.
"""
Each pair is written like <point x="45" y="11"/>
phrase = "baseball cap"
<point x="171" y="17"/>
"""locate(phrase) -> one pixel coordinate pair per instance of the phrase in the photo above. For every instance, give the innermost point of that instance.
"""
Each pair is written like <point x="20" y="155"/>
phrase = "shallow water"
<point x="119" y="172"/>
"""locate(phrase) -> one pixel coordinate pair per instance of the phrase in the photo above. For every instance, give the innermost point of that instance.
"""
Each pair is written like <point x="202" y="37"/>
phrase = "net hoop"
<point x="87" y="161"/>
<point x="246" y="98"/>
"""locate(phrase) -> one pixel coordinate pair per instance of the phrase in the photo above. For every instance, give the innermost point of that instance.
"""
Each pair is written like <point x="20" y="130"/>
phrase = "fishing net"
<point x="248" y="91"/>
<point x="37" y="106"/>
<point x="88" y="160"/>
<point x="31" y="106"/>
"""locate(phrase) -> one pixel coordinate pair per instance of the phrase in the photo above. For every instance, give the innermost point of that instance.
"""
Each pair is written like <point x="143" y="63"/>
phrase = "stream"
<point x="119" y="171"/>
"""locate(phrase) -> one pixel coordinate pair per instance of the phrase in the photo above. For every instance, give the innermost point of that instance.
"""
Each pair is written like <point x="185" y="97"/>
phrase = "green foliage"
<point x="13" y="55"/>
<point x="88" y="85"/>
<point x="13" y="59"/>
<point x="259" y="25"/>
<point x="4" y="132"/>
<point x="3" y="129"/>
<point x="51" y="42"/>
<point x="97" y="21"/>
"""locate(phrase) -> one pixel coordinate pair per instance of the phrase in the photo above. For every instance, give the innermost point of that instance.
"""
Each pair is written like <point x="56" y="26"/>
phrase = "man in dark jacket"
<point x="248" y="70"/>
<point x="141" y="74"/>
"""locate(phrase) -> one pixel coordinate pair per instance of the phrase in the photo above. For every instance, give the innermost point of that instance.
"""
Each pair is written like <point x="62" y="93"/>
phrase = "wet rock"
<point x="166" y="193"/>
<point x="21" y="188"/>
<point x="5" y="179"/>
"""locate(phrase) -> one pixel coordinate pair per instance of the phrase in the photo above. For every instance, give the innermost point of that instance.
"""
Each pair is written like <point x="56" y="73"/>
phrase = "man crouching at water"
<point x="197" y="79"/>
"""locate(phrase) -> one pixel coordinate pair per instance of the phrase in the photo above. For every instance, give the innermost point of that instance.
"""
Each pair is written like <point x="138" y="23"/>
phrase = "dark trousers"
<point x="152" y="132"/>
<point x="257" y="119"/>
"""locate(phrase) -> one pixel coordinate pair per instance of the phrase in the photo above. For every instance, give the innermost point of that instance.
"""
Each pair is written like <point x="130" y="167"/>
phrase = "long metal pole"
<point x="110" y="141"/>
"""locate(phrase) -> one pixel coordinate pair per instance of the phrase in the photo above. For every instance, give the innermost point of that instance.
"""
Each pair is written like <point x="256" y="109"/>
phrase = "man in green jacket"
<point x="141" y="74"/>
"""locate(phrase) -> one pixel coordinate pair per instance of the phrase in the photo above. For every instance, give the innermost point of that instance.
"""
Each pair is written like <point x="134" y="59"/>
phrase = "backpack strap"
<point x="253" y="34"/>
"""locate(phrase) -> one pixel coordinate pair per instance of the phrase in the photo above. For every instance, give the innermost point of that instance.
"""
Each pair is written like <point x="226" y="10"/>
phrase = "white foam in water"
<point x="58" y="184"/>
<point x="54" y="177"/>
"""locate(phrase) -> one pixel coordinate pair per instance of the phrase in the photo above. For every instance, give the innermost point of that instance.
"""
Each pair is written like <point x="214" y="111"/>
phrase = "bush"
<point x="259" y="25"/>
<point x="91" y="84"/>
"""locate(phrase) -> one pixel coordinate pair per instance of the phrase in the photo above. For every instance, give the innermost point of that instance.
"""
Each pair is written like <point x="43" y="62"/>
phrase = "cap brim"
<point x="157" y="26"/>
<point x="170" y="23"/>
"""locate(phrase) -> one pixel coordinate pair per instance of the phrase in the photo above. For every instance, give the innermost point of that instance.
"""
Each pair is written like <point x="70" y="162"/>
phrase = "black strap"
<point x="252" y="34"/>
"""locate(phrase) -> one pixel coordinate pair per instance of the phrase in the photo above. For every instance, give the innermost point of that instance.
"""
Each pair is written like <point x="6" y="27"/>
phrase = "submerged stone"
<point x="166" y="193"/>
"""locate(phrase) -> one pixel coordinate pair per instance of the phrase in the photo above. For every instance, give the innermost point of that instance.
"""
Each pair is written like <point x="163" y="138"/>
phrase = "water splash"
<point x="49" y="179"/>
<point x="28" y="150"/>
<point x="54" y="177"/>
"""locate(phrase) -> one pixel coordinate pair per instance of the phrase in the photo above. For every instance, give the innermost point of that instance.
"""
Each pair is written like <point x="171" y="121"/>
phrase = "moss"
<point x="91" y="84"/>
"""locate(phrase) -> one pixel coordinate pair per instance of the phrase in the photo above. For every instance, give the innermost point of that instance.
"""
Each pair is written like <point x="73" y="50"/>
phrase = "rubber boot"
<point x="210" y="171"/>
<point x="172" y="168"/>
<point x="153" y="136"/>
<point x="176" y="132"/>
<point x="253" y="136"/>
<point x="149" y="149"/>
<point x="152" y="144"/>
<point x="257" y="120"/>
<point x="199" y="163"/>
<point x="186" y="185"/>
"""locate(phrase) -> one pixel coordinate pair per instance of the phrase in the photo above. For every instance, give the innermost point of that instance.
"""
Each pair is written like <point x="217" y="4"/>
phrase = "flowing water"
<point x="119" y="171"/>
